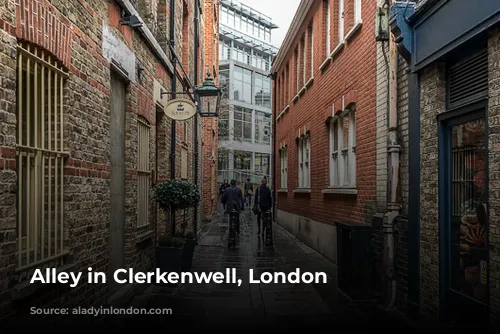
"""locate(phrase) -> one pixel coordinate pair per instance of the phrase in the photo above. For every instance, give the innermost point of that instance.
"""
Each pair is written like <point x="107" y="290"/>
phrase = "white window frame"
<point x="304" y="158"/>
<point x="312" y="50"/>
<point x="357" y="12"/>
<point x="343" y="159"/>
<point x="284" y="167"/>
<point x="341" y="21"/>
<point x="328" y="28"/>
<point x="304" y="59"/>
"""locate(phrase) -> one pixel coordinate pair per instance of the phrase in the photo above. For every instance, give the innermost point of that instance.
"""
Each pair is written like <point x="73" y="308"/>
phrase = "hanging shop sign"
<point x="180" y="109"/>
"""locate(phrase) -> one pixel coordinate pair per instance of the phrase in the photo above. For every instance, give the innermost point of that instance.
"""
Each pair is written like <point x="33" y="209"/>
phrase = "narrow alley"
<point x="282" y="305"/>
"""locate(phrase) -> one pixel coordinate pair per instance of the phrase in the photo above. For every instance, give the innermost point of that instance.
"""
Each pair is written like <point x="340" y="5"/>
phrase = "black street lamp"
<point x="208" y="96"/>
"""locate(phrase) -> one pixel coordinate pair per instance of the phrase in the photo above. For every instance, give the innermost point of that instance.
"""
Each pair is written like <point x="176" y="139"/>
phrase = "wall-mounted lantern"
<point x="208" y="97"/>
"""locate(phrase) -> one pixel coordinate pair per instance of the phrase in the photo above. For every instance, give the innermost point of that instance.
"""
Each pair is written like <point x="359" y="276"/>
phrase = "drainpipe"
<point x="273" y="77"/>
<point x="196" y="151"/>
<point x="173" y="136"/>
<point x="393" y="150"/>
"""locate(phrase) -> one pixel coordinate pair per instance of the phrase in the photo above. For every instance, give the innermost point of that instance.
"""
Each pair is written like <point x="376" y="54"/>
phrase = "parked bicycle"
<point x="267" y="227"/>
<point x="233" y="228"/>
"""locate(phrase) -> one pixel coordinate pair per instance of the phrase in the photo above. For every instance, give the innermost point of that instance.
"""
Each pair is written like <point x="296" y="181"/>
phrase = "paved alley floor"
<point x="254" y="305"/>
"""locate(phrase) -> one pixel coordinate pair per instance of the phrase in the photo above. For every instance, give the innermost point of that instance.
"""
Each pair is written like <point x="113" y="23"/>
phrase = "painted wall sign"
<point x="113" y="48"/>
<point x="180" y="109"/>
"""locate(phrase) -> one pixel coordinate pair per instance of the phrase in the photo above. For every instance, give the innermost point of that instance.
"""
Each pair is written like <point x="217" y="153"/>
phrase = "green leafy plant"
<point x="177" y="195"/>
<point x="170" y="241"/>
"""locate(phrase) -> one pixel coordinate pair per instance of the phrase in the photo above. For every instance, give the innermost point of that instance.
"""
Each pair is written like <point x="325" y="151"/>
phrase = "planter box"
<point x="187" y="255"/>
<point x="168" y="259"/>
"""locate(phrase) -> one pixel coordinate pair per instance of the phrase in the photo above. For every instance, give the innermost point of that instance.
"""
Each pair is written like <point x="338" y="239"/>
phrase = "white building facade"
<point x="245" y="124"/>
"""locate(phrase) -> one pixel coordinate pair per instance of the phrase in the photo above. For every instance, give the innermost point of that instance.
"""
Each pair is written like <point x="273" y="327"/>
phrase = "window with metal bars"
<point x="40" y="158"/>
<point x="143" y="173"/>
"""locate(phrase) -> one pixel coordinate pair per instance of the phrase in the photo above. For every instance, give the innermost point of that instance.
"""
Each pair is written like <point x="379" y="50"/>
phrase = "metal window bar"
<point x="40" y="159"/>
<point x="143" y="174"/>
<point x="462" y="179"/>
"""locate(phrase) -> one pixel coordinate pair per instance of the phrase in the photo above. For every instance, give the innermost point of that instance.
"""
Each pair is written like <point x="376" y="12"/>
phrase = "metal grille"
<point x="40" y="158"/>
<point x="463" y="179"/>
<point x="468" y="80"/>
<point x="143" y="174"/>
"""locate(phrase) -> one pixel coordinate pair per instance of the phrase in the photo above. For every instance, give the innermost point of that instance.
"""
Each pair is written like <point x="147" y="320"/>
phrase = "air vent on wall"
<point x="468" y="80"/>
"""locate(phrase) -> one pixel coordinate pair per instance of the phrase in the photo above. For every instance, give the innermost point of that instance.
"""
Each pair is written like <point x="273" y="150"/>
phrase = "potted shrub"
<point x="188" y="252"/>
<point x="177" y="195"/>
<point x="169" y="253"/>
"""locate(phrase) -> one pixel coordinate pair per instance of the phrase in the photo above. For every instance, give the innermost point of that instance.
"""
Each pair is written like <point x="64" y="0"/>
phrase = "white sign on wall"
<point x="113" y="48"/>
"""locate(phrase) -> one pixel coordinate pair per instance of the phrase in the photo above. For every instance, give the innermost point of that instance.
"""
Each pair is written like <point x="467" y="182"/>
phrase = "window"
<point x="223" y="15"/>
<point x="262" y="90"/>
<point x="242" y="124"/>
<point x="184" y="163"/>
<point x="311" y="50"/>
<point x="357" y="11"/>
<point x="262" y="128"/>
<point x="284" y="168"/>
<point x="242" y="84"/>
<point x="343" y="149"/>
<point x="40" y="152"/>
<point x="341" y="21"/>
<point x="143" y="173"/>
<point x="297" y="69"/>
<point x="304" y="60"/>
<point x="262" y="163"/>
<point x="242" y="160"/>
<point x="327" y="18"/>
<point x="223" y="160"/>
<point x="304" y="151"/>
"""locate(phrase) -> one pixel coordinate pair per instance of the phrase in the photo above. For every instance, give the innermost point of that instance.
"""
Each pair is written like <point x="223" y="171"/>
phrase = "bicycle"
<point x="268" y="229"/>
<point x="233" y="227"/>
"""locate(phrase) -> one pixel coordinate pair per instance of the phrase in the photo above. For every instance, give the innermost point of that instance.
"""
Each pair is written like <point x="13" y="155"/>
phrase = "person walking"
<point x="233" y="200"/>
<point x="222" y="188"/>
<point x="263" y="202"/>
<point x="248" y="192"/>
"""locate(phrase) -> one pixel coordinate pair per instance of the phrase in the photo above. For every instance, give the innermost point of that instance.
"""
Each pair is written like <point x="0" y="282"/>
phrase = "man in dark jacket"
<point x="263" y="201"/>
<point x="232" y="198"/>
<point x="248" y="192"/>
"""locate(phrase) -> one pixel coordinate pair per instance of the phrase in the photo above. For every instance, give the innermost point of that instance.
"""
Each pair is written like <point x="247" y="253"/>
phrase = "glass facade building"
<point x="245" y="124"/>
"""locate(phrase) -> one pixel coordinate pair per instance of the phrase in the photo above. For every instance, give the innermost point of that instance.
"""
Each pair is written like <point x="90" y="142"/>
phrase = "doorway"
<point x="464" y="244"/>
<point x="117" y="161"/>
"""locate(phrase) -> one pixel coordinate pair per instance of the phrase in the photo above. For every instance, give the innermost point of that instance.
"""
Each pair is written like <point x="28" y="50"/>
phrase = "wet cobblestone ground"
<point x="255" y="305"/>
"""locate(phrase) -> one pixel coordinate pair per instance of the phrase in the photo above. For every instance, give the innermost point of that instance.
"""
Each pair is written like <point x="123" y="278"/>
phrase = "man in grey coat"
<point x="232" y="198"/>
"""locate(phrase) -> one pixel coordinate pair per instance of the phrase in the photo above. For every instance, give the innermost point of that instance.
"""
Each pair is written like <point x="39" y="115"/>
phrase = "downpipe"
<point x="393" y="151"/>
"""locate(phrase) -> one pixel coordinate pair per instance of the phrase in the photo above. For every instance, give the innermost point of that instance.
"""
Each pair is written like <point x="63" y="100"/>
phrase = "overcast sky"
<point x="281" y="12"/>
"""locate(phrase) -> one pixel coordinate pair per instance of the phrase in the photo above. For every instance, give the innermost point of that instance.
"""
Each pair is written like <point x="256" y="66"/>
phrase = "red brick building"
<point x="325" y="82"/>
<point x="210" y="124"/>
<point x="85" y="139"/>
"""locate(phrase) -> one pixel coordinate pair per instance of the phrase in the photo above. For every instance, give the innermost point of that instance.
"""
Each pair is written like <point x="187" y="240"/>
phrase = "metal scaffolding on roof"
<point x="250" y="12"/>
<point x="248" y="40"/>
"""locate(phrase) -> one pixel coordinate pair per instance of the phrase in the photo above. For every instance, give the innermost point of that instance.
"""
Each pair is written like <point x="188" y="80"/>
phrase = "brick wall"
<point x="210" y="125"/>
<point x="350" y="77"/>
<point x="86" y="125"/>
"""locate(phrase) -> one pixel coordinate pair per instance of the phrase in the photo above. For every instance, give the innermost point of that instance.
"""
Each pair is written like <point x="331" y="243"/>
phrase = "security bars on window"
<point x="40" y="159"/>
<point x="143" y="174"/>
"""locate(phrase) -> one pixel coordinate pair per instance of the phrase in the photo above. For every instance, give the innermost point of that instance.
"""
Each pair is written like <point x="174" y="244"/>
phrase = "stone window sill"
<point x="309" y="82"/>
<point x="340" y="191"/>
<point x="325" y="63"/>
<point x="25" y="288"/>
<point x="337" y="50"/>
<point x="302" y="191"/>
<point x="295" y="98"/>
<point x="144" y="236"/>
<point x="353" y="30"/>
<point x="302" y="91"/>
<point x="282" y="191"/>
